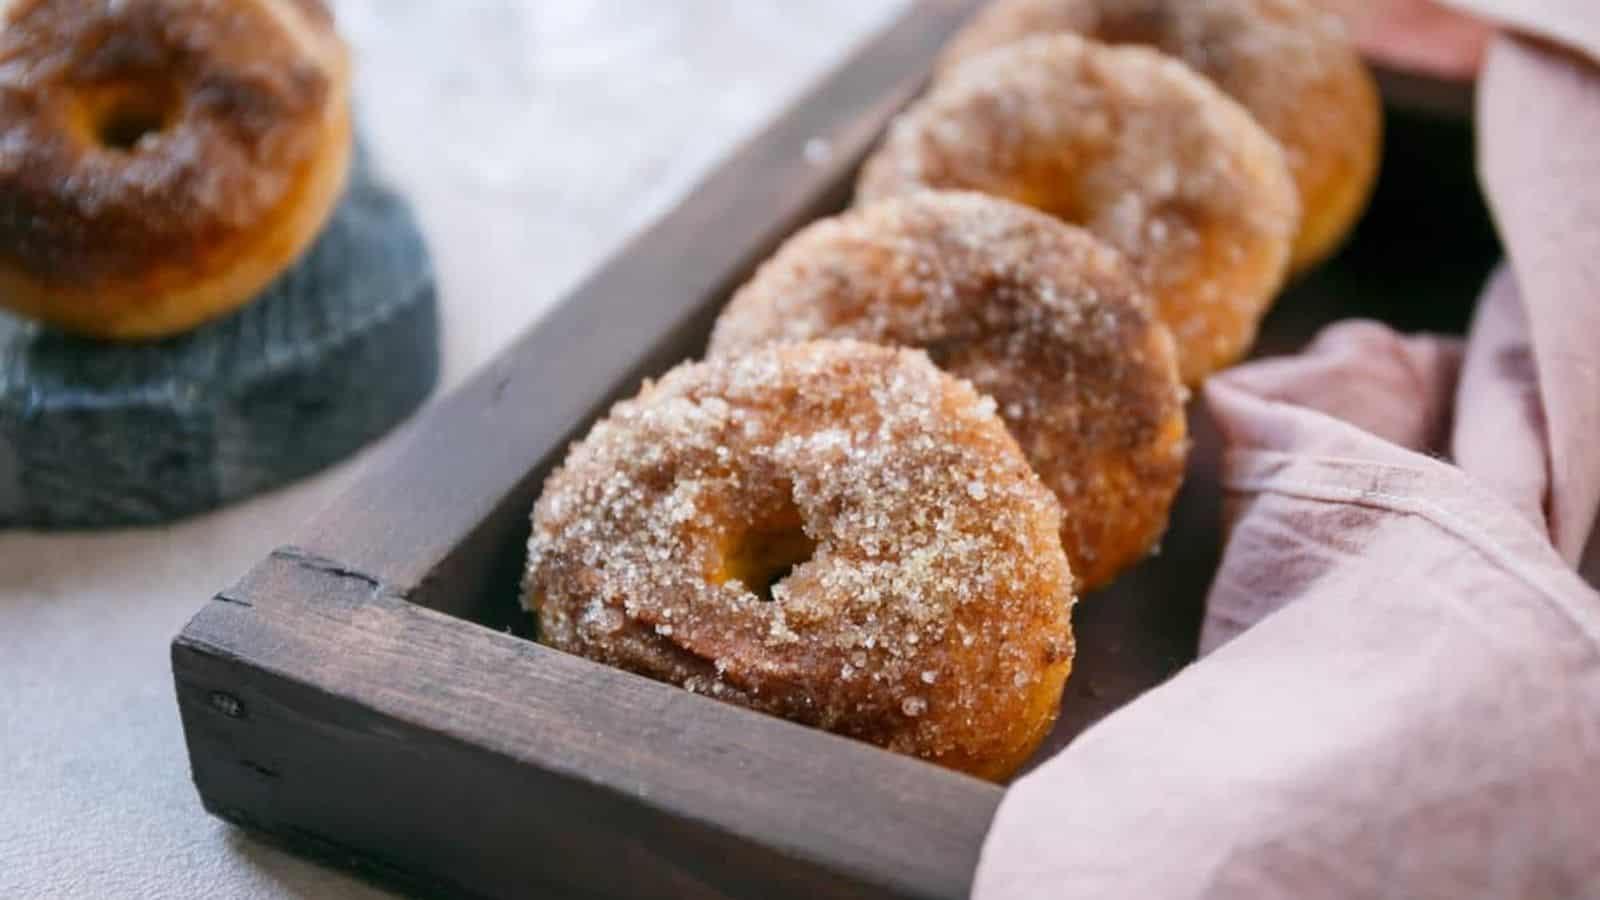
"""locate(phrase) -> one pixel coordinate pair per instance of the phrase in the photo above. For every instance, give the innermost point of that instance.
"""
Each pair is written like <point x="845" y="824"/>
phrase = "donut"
<point x="162" y="161"/>
<point x="1134" y="146"/>
<point x="1288" y="62"/>
<point x="1033" y="312"/>
<point x="834" y="532"/>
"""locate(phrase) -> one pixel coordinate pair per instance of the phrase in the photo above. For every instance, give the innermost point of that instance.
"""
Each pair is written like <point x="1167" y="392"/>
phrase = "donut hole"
<point x="1048" y="189"/>
<point x="122" y="116"/>
<point x="762" y="556"/>
<point x="1146" y="25"/>
<point x="764" y="559"/>
<point x="125" y="128"/>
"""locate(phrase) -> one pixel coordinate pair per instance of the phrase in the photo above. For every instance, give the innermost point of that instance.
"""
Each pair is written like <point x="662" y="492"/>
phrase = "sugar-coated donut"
<point x="834" y="532"/>
<point x="1131" y="144"/>
<point x="1033" y="312"/>
<point x="161" y="161"/>
<point x="1288" y="62"/>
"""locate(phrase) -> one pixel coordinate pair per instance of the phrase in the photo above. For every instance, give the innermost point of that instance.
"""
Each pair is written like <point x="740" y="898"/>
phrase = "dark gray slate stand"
<point x="338" y="350"/>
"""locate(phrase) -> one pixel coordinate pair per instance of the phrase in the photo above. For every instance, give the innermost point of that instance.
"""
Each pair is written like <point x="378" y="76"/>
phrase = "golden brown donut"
<point x="161" y="161"/>
<point x="1286" y="61"/>
<point x="833" y="532"/>
<point x="1033" y="312"/>
<point x="1131" y="144"/>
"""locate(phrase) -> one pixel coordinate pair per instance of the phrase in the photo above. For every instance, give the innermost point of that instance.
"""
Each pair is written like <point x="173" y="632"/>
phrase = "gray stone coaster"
<point x="338" y="350"/>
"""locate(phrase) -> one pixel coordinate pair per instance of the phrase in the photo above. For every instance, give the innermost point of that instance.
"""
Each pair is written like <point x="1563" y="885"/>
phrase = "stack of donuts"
<point x="927" y="422"/>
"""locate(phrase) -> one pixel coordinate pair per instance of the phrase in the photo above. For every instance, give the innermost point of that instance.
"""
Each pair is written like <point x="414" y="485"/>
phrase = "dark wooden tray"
<point x="367" y="694"/>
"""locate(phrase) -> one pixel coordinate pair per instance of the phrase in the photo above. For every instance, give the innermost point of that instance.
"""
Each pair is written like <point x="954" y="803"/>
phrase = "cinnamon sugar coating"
<point x="1289" y="62"/>
<point x="927" y="608"/>
<point x="246" y="103"/>
<point x="1035" y="313"/>
<point x="1134" y="146"/>
<point x="144" y="134"/>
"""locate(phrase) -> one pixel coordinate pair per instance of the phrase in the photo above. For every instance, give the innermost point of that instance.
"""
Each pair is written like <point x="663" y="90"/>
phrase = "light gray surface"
<point x="533" y="136"/>
<point x="99" y="434"/>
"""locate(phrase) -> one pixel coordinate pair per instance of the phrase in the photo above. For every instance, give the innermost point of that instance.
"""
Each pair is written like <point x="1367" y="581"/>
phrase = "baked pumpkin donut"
<point x="1286" y="61"/>
<point x="161" y="161"/>
<point x="833" y="532"/>
<point x="1031" y="311"/>
<point x="1131" y="144"/>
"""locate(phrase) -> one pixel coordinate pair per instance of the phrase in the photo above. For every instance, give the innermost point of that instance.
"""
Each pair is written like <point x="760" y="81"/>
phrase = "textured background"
<point x="533" y="138"/>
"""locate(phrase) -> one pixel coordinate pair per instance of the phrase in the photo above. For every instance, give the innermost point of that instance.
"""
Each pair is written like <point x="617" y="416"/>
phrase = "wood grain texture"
<point x="650" y="306"/>
<point x="495" y="146"/>
<point x="319" y="703"/>
<point x="338" y="349"/>
<point x="324" y="704"/>
<point x="348" y="700"/>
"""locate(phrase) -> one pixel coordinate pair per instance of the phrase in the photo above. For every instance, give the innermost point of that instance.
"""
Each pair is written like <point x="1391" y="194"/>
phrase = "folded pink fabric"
<point x="1400" y="692"/>
<point x="1573" y="23"/>
<point x="1416" y="35"/>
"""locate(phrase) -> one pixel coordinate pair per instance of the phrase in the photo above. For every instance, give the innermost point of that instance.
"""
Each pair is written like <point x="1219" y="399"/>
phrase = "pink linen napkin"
<point x="1400" y="695"/>
<point x="1416" y="35"/>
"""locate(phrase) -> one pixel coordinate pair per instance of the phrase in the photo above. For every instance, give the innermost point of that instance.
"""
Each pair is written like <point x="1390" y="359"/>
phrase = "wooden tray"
<point x="366" y="694"/>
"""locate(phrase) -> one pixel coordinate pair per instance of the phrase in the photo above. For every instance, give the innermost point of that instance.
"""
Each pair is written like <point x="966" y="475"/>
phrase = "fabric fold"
<point x="1539" y="155"/>
<point x="1399" y="693"/>
<point x="1571" y="23"/>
